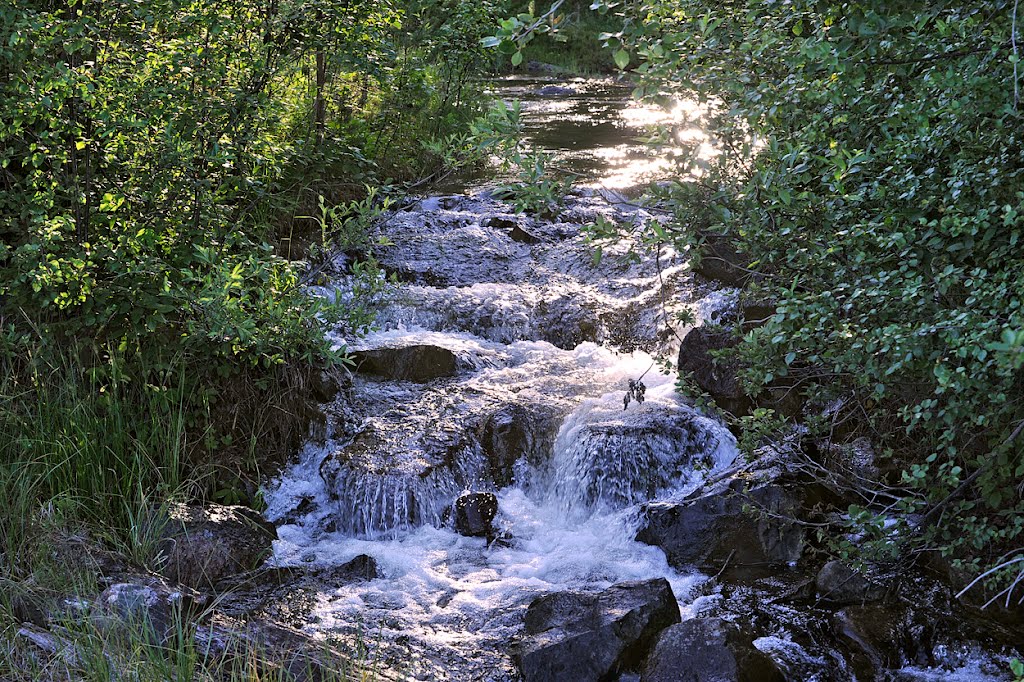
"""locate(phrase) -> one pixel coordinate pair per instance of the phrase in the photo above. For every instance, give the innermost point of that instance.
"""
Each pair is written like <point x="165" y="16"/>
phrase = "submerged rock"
<point x="714" y="530"/>
<point x="555" y="90"/>
<point x="474" y="513"/>
<point x="203" y="545"/>
<point x="590" y="637"/>
<point x="420" y="363"/>
<point x="707" y="650"/>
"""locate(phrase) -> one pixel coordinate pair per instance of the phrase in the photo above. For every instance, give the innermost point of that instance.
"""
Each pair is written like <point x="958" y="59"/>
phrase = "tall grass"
<point x="91" y="448"/>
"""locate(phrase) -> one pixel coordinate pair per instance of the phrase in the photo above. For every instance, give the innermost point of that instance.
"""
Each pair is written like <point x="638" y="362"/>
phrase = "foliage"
<point x="540" y="188"/>
<point x="157" y="336"/>
<point x="870" y="168"/>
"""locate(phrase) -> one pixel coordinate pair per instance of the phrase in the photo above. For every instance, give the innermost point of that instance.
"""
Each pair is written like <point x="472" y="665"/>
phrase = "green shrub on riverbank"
<point x="158" y="166"/>
<point x="870" y="176"/>
<point x="882" y="207"/>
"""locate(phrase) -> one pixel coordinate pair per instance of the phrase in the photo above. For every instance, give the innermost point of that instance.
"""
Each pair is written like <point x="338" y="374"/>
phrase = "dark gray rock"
<point x="722" y="262"/>
<point x="325" y="386"/>
<point x="147" y="607"/>
<point x="707" y="650"/>
<point x="718" y="378"/>
<point x="709" y="531"/>
<point x="518" y="234"/>
<point x="515" y="432"/>
<point x="362" y="567"/>
<point x="205" y="544"/>
<point x="474" y="513"/>
<point x="881" y="637"/>
<point x="837" y="583"/>
<point x="593" y="637"/>
<point x="500" y="222"/>
<point x="419" y="363"/>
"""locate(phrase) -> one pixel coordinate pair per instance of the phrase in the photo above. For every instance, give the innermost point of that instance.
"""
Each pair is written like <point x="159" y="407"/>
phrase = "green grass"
<point x="582" y="52"/>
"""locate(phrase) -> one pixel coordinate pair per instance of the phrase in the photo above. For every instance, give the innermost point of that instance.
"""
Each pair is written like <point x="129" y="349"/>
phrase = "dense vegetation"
<point x="872" y="172"/>
<point x="168" y="170"/>
<point x="869" y="181"/>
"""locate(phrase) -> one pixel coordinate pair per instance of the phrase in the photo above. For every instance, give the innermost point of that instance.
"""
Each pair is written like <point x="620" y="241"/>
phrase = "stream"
<point x="537" y="345"/>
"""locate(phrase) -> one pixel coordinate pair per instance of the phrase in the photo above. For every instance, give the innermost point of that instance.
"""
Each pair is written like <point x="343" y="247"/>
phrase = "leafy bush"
<point x="872" y="169"/>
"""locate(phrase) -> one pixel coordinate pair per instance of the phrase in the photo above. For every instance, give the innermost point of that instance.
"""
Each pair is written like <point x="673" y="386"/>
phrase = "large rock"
<point x="717" y="378"/>
<point x="203" y="545"/>
<point x="722" y="262"/>
<point x="420" y="363"/>
<point x="474" y="513"/>
<point x="515" y="432"/>
<point x="710" y="531"/>
<point x="148" y="608"/>
<point x="707" y="650"/>
<point x="837" y="583"/>
<point x="593" y="637"/>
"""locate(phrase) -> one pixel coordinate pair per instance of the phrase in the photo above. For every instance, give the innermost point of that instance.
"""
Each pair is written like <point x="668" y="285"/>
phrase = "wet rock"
<point x="718" y="378"/>
<point x="419" y="363"/>
<point x="583" y="637"/>
<point x="707" y="650"/>
<point x="515" y="432"/>
<point x="555" y="91"/>
<point x="206" y="544"/>
<point x="149" y="607"/>
<point x="500" y="223"/>
<point x="629" y="456"/>
<point x="837" y="583"/>
<point x="883" y="637"/>
<point x="518" y="234"/>
<point x="722" y="262"/>
<point x="474" y="513"/>
<point x="362" y="567"/>
<point x="713" y="530"/>
<point x="325" y="386"/>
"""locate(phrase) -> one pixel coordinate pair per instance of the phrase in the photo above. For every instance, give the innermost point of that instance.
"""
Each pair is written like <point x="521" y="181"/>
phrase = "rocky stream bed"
<point x="484" y="504"/>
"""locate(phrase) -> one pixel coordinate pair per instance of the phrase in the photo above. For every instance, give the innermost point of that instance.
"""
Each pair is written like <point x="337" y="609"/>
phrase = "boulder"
<point x="203" y="545"/>
<point x="717" y="378"/>
<point x="712" y="530"/>
<point x="881" y="637"/>
<point x="837" y="583"/>
<point x="707" y="650"/>
<point x="590" y="637"/>
<point x="474" y="513"/>
<point x="722" y="262"/>
<point x="515" y="432"/>
<point x="149" y="607"/>
<point x="420" y="363"/>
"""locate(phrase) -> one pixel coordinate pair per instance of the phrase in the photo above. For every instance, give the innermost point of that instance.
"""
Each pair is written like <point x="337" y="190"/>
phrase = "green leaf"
<point x="517" y="58"/>
<point x="621" y="59"/>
